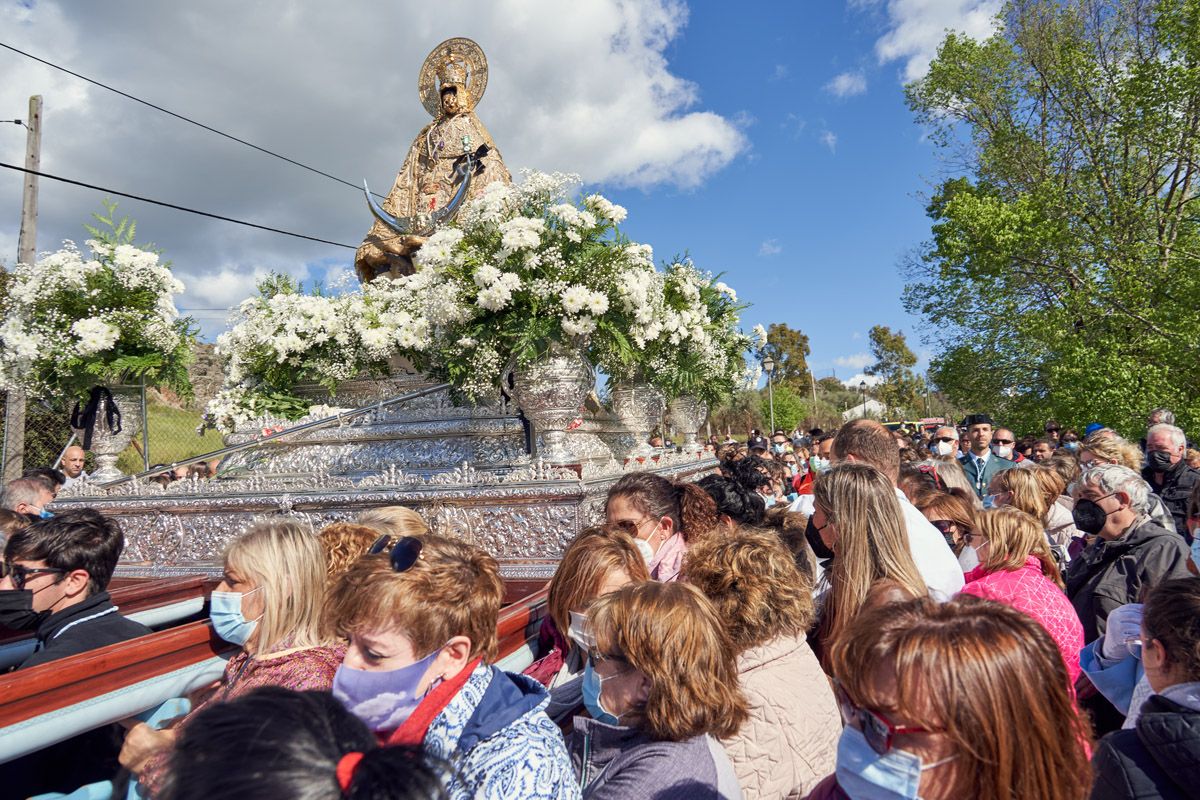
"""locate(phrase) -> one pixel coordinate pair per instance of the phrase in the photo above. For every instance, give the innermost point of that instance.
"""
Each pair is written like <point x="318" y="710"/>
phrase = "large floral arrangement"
<point x="521" y="268"/>
<point x="75" y="320"/>
<point x="284" y="337"/>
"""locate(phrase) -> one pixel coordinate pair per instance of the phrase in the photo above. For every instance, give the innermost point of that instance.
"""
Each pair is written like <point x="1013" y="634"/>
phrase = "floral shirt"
<point x="300" y="671"/>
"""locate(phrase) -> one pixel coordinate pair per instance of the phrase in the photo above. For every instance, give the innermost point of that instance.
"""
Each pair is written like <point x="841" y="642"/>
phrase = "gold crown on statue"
<point x="452" y="73"/>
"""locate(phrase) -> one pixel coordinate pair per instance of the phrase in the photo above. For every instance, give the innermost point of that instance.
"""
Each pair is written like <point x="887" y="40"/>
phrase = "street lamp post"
<point x="769" y="367"/>
<point x="862" y="389"/>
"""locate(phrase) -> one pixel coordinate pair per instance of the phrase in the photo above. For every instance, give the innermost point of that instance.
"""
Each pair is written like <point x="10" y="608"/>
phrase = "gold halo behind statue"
<point x="460" y="59"/>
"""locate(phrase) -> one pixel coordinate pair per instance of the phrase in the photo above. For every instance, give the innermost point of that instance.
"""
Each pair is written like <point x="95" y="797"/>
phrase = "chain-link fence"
<point x="169" y="435"/>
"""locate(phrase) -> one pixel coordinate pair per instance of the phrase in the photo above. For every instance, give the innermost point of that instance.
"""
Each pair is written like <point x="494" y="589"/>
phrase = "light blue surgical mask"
<point x="225" y="611"/>
<point x="989" y="501"/>
<point x="592" y="684"/>
<point x="44" y="514"/>
<point x="864" y="774"/>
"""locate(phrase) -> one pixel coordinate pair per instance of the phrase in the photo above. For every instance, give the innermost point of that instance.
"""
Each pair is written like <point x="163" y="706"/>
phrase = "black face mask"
<point x="814" y="541"/>
<point x="16" y="610"/>
<point x="1159" y="461"/>
<point x="1089" y="516"/>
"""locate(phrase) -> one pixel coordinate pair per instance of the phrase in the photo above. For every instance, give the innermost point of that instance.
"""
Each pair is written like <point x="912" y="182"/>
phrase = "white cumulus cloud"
<point x="857" y="361"/>
<point x="917" y="27"/>
<point x="847" y="84"/>
<point x="853" y="381"/>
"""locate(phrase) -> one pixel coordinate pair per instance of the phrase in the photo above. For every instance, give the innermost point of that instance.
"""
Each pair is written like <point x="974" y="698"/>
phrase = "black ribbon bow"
<point x="85" y="420"/>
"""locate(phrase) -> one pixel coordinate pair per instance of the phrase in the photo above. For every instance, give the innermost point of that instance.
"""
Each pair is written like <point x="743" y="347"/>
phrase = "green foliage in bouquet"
<point x="71" y="322"/>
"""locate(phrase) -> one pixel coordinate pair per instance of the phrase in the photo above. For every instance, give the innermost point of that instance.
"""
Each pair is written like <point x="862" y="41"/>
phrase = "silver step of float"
<point x="465" y="469"/>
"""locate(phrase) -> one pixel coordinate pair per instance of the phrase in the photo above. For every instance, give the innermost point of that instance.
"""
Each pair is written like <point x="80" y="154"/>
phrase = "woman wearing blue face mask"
<point x="269" y="603"/>
<point x="661" y="686"/>
<point x="925" y="715"/>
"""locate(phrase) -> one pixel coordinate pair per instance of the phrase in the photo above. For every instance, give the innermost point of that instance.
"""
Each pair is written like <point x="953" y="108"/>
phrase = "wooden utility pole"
<point x="14" y="409"/>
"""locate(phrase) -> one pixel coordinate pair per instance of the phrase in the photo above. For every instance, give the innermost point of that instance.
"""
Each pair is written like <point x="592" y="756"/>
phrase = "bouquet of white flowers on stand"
<point x="78" y="326"/>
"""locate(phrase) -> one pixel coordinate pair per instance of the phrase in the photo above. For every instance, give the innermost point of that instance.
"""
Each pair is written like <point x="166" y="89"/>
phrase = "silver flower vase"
<point x="109" y="441"/>
<point x="639" y="408"/>
<point x="686" y="415"/>
<point x="550" y="392"/>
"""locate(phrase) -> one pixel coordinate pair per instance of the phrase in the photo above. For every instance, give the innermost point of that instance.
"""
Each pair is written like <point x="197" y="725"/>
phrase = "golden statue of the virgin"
<point x="452" y="159"/>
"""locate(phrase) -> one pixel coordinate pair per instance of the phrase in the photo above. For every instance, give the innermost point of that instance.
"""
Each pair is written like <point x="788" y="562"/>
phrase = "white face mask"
<point x="1004" y="451"/>
<point x="645" y="549"/>
<point x="944" y="448"/>
<point x="968" y="559"/>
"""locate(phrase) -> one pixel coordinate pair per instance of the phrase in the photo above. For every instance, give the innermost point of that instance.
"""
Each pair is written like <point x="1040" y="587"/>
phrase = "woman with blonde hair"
<point x="394" y="521"/>
<point x="269" y="603"/>
<point x="1016" y="568"/>
<point x="858" y="517"/>
<point x="766" y="605"/>
<point x="602" y="559"/>
<point x="962" y="699"/>
<point x="661" y="686"/>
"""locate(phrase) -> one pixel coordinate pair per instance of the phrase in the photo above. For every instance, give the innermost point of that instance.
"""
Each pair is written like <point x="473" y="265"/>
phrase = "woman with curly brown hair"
<point x="661" y="686"/>
<point x="790" y="741"/>
<point x="668" y="515"/>
<point x="966" y="699"/>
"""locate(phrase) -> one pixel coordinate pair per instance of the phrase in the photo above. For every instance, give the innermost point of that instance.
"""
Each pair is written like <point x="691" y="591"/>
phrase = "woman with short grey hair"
<point x="1128" y="551"/>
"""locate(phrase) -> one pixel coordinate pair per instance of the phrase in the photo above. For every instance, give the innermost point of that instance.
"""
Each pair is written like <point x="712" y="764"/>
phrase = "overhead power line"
<point x="208" y="128"/>
<point x="174" y="206"/>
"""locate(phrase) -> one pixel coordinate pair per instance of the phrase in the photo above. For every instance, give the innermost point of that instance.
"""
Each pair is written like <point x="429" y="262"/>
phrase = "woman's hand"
<point x="142" y="742"/>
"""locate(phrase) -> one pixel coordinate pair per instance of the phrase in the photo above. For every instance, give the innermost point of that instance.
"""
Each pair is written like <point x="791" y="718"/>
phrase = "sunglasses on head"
<point x="20" y="574"/>
<point x="877" y="729"/>
<point x="404" y="553"/>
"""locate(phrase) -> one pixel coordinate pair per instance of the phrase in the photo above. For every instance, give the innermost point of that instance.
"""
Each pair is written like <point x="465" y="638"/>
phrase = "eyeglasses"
<point x="594" y="657"/>
<point x="970" y="537"/>
<point x="943" y="525"/>
<point x="404" y="553"/>
<point x="1004" y="441"/>
<point x="1052" y="430"/>
<point x="20" y="574"/>
<point x="877" y="729"/>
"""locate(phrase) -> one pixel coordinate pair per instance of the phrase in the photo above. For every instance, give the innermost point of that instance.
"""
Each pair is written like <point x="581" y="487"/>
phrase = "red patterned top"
<point x="300" y="671"/>
<point x="1029" y="591"/>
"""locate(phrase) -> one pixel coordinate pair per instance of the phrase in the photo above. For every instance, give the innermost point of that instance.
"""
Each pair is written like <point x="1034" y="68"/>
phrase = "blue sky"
<point x="811" y="221"/>
<point x="769" y="140"/>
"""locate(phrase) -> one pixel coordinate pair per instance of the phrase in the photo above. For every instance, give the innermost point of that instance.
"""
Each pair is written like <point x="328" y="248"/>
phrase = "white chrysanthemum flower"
<point x="578" y="327"/>
<point x="760" y="335"/>
<point x="606" y="209"/>
<point x="596" y="303"/>
<point x="521" y="233"/>
<point x="486" y="275"/>
<point x="575" y="298"/>
<point x="95" y="335"/>
<point x="725" y="290"/>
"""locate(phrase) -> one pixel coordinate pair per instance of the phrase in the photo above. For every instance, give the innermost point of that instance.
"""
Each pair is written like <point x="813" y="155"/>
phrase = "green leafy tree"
<point x="1063" y="274"/>
<point x="790" y="407"/>
<point x="790" y="350"/>
<point x="741" y="412"/>
<point x="900" y="388"/>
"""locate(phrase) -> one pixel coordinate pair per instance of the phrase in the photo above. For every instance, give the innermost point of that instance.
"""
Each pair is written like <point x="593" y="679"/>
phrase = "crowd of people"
<point x="861" y="613"/>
